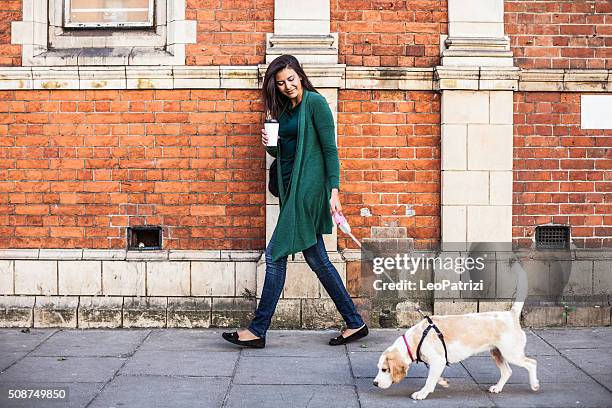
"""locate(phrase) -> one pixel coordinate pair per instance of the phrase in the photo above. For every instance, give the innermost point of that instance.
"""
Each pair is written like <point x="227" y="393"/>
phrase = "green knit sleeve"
<point x="324" y="123"/>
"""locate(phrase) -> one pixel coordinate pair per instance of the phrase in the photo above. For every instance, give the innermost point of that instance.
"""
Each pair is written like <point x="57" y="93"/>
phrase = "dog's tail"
<point x="521" y="289"/>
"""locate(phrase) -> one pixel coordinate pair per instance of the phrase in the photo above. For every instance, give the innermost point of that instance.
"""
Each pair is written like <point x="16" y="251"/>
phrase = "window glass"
<point x="109" y="13"/>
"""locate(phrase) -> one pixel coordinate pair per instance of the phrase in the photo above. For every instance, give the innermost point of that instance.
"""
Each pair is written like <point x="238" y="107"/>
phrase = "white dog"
<point x="464" y="336"/>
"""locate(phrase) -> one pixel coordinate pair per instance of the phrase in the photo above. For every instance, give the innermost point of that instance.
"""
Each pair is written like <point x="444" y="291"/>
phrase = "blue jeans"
<point x="317" y="259"/>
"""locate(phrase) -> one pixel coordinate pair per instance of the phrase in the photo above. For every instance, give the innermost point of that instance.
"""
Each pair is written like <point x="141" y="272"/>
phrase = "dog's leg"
<point x="443" y="382"/>
<point x="435" y="371"/>
<point x="504" y="369"/>
<point x="517" y="357"/>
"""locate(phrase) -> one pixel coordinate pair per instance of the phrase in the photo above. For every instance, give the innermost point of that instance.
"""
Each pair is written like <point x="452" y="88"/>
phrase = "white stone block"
<point x="454" y="223"/>
<point x="501" y="105"/>
<point x="198" y="255"/>
<point x="272" y="213"/>
<point x="213" y="278"/>
<point x="168" y="279"/>
<point x="454" y="147"/>
<point x="296" y="27"/>
<point x="7" y="276"/>
<point x="22" y="32"/>
<point x="19" y="253"/>
<point x="596" y="111"/>
<point x="80" y="277"/>
<point x="238" y="77"/>
<point x="301" y="281"/>
<point x="55" y="78"/>
<point x="176" y="11"/>
<point x="182" y="32"/>
<point x="246" y="278"/>
<point x="465" y="187"/>
<point x="476" y="10"/>
<point x="143" y="78"/>
<point x="60" y="254"/>
<point x="36" y="277"/>
<point x="477" y="30"/>
<point x="461" y="107"/>
<point x="302" y="10"/>
<point x="489" y="147"/>
<point x="196" y="77"/>
<point x="500" y="185"/>
<point x="15" y="78"/>
<point x="121" y="278"/>
<point x="489" y="223"/>
<point x="102" y="77"/>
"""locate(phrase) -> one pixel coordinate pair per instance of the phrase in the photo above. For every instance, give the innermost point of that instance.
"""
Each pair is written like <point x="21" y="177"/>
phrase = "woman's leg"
<point x="272" y="289"/>
<point x="317" y="259"/>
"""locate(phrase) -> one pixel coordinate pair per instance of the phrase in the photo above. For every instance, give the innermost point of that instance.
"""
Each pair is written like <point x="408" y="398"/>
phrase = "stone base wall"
<point x="220" y="289"/>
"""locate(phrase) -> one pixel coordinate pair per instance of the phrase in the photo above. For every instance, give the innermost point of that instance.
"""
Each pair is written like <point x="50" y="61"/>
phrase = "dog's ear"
<point x="398" y="368"/>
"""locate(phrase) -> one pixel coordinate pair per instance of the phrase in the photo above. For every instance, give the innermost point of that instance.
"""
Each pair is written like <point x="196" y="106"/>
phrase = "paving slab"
<point x="566" y="395"/>
<point x="186" y="339"/>
<point x="293" y="370"/>
<point x="155" y="391"/>
<point x="16" y="340"/>
<point x="188" y="363"/>
<point x="294" y="343"/>
<point x="591" y="361"/>
<point x="598" y="337"/>
<point x="7" y="358"/>
<point x="71" y="369"/>
<point x="92" y="343"/>
<point x="551" y="369"/>
<point x="377" y="340"/>
<point x="293" y="396"/>
<point x="79" y="395"/>
<point x="605" y="380"/>
<point x="364" y="366"/>
<point x="462" y="393"/>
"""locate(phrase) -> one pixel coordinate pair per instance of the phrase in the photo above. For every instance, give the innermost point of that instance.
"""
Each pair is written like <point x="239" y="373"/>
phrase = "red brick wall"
<point x="562" y="173"/>
<point x="78" y="167"/>
<point x="230" y="32"/>
<point x="10" y="54"/>
<point x="389" y="147"/>
<point x="389" y="33"/>
<point x="560" y="33"/>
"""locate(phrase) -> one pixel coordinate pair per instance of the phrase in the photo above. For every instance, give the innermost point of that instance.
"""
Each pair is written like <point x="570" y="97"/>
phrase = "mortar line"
<point x="231" y="383"/>
<point x="571" y="362"/>
<point x="115" y="374"/>
<point x="485" y="392"/>
<point x="354" y="381"/>
<point x="31" y="351"/>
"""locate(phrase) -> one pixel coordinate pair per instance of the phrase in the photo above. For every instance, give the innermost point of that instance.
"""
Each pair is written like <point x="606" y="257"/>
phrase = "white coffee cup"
<point x="271" y="127"/>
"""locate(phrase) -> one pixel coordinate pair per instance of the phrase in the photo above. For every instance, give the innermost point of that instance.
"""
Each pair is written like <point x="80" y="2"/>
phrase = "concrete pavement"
<point x="196" y="368"/>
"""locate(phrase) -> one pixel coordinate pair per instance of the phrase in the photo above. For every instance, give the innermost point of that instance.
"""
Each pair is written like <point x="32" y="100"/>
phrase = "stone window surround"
<point x="45" y="43"/>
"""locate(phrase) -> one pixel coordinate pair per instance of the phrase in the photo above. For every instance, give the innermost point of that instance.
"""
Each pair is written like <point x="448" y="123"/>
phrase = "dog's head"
<point x="392" y="368"/>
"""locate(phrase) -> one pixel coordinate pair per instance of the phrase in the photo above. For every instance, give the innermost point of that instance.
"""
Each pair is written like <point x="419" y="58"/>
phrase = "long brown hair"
<point x="274" y="101"/>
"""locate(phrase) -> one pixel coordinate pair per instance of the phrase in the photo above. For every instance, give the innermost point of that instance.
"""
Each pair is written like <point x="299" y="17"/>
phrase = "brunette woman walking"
<point x="308" y="183"/>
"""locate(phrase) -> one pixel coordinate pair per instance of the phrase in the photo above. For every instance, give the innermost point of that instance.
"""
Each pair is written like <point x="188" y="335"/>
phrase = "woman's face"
<point x="289" y="84"/>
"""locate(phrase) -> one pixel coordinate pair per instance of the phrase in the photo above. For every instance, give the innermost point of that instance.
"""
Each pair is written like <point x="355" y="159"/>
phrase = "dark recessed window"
<point x="552" y="237"/>
<point x="144" y="238"/>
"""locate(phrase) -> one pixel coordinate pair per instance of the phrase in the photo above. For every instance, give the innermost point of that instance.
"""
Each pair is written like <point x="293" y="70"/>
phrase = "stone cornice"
<point x="322" y="75"/>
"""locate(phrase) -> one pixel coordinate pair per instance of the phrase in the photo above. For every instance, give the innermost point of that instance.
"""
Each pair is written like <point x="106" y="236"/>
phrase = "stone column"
<point x="476" y="125"/>
<point x="476" y="80"/>
<point x="302" y="29"/>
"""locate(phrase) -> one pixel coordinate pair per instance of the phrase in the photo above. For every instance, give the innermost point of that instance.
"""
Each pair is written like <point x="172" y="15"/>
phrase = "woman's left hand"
<point x="334" y="202"/>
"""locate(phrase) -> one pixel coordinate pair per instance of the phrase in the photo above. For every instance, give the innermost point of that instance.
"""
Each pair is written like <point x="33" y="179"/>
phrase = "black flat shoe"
<point x="359" y="334"/>
<point x="233" y="338"/>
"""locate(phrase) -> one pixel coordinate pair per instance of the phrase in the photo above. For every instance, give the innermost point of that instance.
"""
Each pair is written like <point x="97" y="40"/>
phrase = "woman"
<point x="309" y="176"/>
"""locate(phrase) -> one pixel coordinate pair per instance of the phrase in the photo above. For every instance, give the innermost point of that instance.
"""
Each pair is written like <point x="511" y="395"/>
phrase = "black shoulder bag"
<point x="273" y="181"/>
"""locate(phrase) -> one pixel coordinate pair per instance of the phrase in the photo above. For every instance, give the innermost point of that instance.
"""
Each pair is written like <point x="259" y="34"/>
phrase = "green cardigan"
<point x="304" y="209"/>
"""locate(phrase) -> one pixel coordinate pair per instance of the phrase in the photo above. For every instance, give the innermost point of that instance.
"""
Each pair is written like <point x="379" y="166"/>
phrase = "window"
<point x="103" y="32"/>
<point x="108" y="13"/>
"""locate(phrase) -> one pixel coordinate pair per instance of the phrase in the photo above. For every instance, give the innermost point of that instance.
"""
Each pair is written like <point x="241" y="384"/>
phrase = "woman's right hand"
<point x="264" y="137"/>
